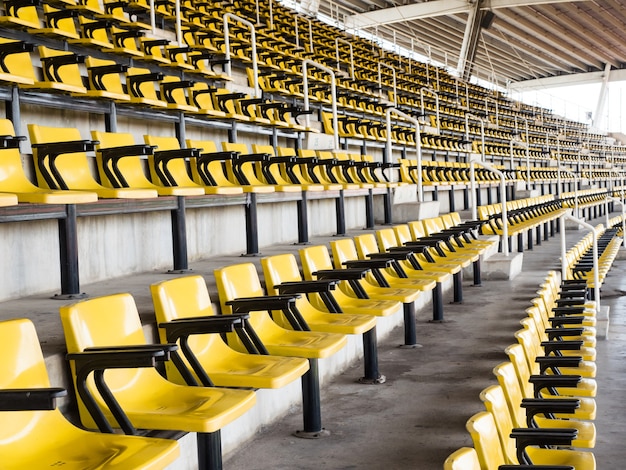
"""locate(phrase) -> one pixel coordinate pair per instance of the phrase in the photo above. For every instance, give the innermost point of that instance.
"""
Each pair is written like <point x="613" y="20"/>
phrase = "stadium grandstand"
<point x="310" y="234"/>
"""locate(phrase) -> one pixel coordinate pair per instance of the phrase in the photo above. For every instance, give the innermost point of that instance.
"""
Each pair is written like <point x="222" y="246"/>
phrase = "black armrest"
<point x="169" y="87"/>
<point x="570" y="302"/>
<point x="166" y="349"/>
<point x="567" y="320"/>
<point x="213" y="156"/>
<point x="369" y="263"/>
<point x="393" y="255"/>
<point x="30" y="399"/>
<point x="568" y="310"/>
<point x="549" y="407"/>
<point x="559" y="333"/>
<point x="255" y="304"/>
<point x="540" y="437"/>
<point x="536" y="467"/>
<point x="111" y="157"/>
<point x="341" y="274"/>
<point x="97" y="361"/>
<point x="99" y="72"/>
<point x="554" y="362"/>
<point x="252" y="157"/>
<point x="11" y="142"/>
<point x="550" y="382"/>
<point x="307" y="287"/>
<point x="556" y="346"/>
<point x="50" y="151"/>
<point x="176" y="153"/>
<point x="201" y="325"/>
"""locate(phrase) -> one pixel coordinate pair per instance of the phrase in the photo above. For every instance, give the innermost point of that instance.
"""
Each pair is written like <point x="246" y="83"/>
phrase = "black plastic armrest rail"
<point x="30" y="399"/>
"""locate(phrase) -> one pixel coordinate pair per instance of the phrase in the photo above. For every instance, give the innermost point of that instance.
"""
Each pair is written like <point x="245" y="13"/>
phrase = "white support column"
<point x="597" y="118"/>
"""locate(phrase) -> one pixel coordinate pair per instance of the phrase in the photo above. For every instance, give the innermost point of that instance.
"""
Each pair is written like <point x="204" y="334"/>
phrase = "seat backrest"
<point x="248" y="168"/>
<point x="19" y="65"/>
<point x="314" y="258"/>
<point x="278" y="269"/>
<point x="130" y="167"/>
<point x="111" y="82"/>
<point x="432" y="225"/>
<point x="403" y="233"/>
<point x="509" y="380"/>
<point x="417" y="229"/>
<point x="495" y="402"/>
<point x="464" y="458"/>
<point x="22" y="364"/>
<point x="111" y="320"/>
<point x="343" y="250"/>
<point x="66" y="74"/>
<point x="215" y="168"/>
<point x="482" y="429"/>
<point x="386" y="238"/>
<point x="73" y="167"/>
<point x="365" y="244"/>
<point x="177" y="167"/>
<point x="12" y="176"/>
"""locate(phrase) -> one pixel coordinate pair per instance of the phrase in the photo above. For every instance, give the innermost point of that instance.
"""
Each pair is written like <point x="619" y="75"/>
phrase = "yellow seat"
<point x="142" y="86"/>
<point x="315" y="259"/>
<point x="499" y="401"/>
<point x="16" y="66"/>
<point x="344" y="252"/>
<point x="464" y="458"/>
<point x="119" y="164"/>
<point x="20" y="16"/>
<point x="25" y="433"/>
<point x="187" y="297"/>
<point x="283" y="268"/>
<point x="209" y="169"/>
<point x="105" y="78"/>
<point x="177" y="168"/>
<point x="202" y="98"/>
<point x="177" y="94"/>
<point x="60" y="72"/>
<point x="279" y="168"/>
<point x="586" y="387"/>
<point x="241" y="281"/>
<point x="495" y="447"/>
<point x="61" y="163"/>
<point x="246" y="166"/>
<point x="14" y="180"/>
<point x="240" y="291"/>
<point x="313" y="172"/>
<point x="517" y="387"/>
<point x="111" y="328"/>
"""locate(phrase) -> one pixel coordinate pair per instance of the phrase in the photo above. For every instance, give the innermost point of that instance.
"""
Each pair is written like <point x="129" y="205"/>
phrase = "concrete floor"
<point x="417" y="418"/>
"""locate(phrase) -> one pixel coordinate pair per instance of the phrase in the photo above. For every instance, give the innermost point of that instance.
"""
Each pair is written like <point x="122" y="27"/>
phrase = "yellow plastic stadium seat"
<point x="105" y="79"/>
<point x="108" y="328"/>
<point x="142" y="86"/>
<point x="241" y="281"/>
<point x="177" y="168"/>
<point x="496" y="448"/>
<point x="13" y="179"/>
<point x="464" y="458"/>
<point x="28" y="419"/>
<point x="71" y="169"/>
<point x="187" y="299"/>
<point x="119" y="163"/>
<point x="60" y="72"/>
<point x="16" y="64"/>
<point x="278" y="168"/>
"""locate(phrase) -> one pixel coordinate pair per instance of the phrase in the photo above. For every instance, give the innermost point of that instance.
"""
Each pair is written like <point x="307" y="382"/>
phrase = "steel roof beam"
<point x="587" y="78"/>
<point x="432" y="9"/>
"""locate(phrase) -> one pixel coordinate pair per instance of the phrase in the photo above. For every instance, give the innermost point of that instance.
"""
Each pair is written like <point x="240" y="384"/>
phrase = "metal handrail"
<point x="333" y="92"/>
<point x="255" y="69"/>
<point x="418" y="145"/>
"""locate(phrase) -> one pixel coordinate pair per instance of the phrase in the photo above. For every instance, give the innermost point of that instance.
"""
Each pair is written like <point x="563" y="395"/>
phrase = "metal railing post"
<point x="418" y="145"/>
<point x="333" y="92"/>
<point x="255" y="68"/>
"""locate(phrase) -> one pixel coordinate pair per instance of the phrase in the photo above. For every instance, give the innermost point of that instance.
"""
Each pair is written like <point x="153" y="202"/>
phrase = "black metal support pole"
<point x="410" y="332"/>
<point x="538" y="235"/>
<point x="252" y="229"/>
<point x="232" y="133"/>
<point x="476" y="272"/>
<point x="530" y="239"/>
<point x="303" y="220"/>
<point x="370" y="359"/>
<point x="341" y="214"/>
<point x="489" y="195"/>
<point x="520" y="242"/>
<point x="458" y="287"/>
<point x="68" y="254"/>
<point x="369" y="209"/>
<point x="110" y="118"/>
<point x="451" y="199"/>
<point x="13" y="110"/>
<point x="387" y="207"/>
<point x="209" y="450"/>
<point x="437" y="303"/>
<point x="478" y="196"/>
<point x="311" y="408"/>
<point x="179" y="236"/>
<point x="465" y="199"/>
<point x="546" y="230"/>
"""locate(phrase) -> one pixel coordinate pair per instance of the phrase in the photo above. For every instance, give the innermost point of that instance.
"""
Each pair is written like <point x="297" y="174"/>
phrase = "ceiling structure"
<point x="515" y="43"/>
